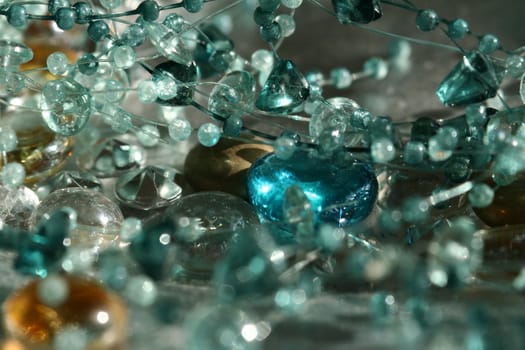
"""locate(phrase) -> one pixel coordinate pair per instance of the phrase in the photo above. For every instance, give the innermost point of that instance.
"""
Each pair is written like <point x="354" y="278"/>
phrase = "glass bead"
<point x="381" y="127"/>
<point x="175" y="22"/>
<point x="263" y="18"/>
<point x="149" y="10"/>
<point x="220" y="327"/>
<point x="17" y="206"/>
<point x="148" y="135"/>
<point x="113" y="268"/>
<point x="54" y="5"/>
<point x="99" y="219"/>
<point x="458" y="169"/>
<point x="147" y="91"/>
<point x="83" y="11"/>
<point x="416" y="210"/>
<point x="376" y="68"/>
<point x="174" y="82"/>
<point x="233" y="126"/>
<point x="180" y="129"/>
<point x="70" y="114"/>
<point x="141" y="290"/>
<point x="98" y="30"/>
<point x="222" y="167"/>
<point x="271" y="33"/>
<point x="217" y="217"/>
<point x="71" y="338"/>
<point x="360" y="11"/>
<point x="79" y="260"/>
<point x="360" y="118"/>
<point x="324" y="181"/>
<point x="87" y="305"/>
<point x="222" y="60"/>
<point x="515" y="66"/>
<point x="193" y="6"/>
<point x="488" y="44"/>
<point x="262" y="60"/>
<point x="382" y="150"/>
<point x="110" y="4"/>
<point x="8" y="139"/>
<point x="123" y="56"/>
<point x="52" y="291"/>
<point x="130" y="228"/>
<point x="481" y="196"/>
<point x="234" y="95"/>
<point x="476" y="115"/>
<point x="286" y="23"/>
<point x="17" y="15"/>
<point x="134" y="35"/>
<point x="65" y="18"/>
<point x="427" y="20"/>
<point x="414" y="152"/>
<point x="292" y="4"/>
<point x="284" y="147"/>
<point x="269" y="5"/>
<point x="13" y="174"/>
<point x="208" y="134"/>
<point x="447" y="137"/>
<point x="285" y="89"/>
<point x="341" y="77"/>
<point x="458" y="28"/>
<point x="87" y="64"/>
<point x="57" y="63"/>
<point x="474" y="79"/>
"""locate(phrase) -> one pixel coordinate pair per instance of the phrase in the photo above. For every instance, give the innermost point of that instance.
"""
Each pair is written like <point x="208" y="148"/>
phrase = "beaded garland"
<point x="347" y="199"/>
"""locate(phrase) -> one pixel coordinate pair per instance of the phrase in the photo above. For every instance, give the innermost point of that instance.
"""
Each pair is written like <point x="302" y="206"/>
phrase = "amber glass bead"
<point x="223" y="167"/>
<point x="88" y="305"/>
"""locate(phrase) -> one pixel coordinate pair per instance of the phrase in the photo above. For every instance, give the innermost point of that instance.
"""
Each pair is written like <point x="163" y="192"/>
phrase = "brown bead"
<point x="88" y="305"/>
<point x="223" y="167"/>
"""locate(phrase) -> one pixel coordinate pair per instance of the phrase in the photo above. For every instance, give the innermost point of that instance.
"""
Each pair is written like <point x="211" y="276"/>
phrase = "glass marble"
<point x="358" y="11"/>
<point x="99" y="218"/>
<point x="216" y="217"/>
<point x="88" y="305"/>
<point x="222" y="167"/>
<point x="340" y="190"/>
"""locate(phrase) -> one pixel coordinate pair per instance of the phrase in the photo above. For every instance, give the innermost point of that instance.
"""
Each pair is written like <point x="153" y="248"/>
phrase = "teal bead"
<point x="358" y="11"/>
<point x="40" y="252"/>
<point x="134" y="35"/>
<point x="382" y="150"/>
<point x="8" y="139"/>
<point x="284" y="147"/>
<point x="262" y="60"/>
<point x="458" y="28"/>
<point x="263" y="18"/>
<point x="233" y="126"/>
<point x="53" y="291"/>
<point x="17" y="15"/>
<point x="285" y="89"/>
<point x="208" y="134"/>
<point x="515" y="66"/>
<point x="65" y="18"/>
<point x="415" y="210"/>
<point x="147" y="91"/>
<point x="427" y="20"/>
<point x="149" y="10"/>
<point x="472" y="80"/>
<point x="150" y="249"/>
<point x="458" y="169"/>
<point x="212" y="42"/>
<point x="193" y="6"/>
<point x="148" y="135"/>
<point x="175" y="22"/>
<point x="341" y="77"/>
<point x="13" y="174"/>
<point x="222" y="60"/>
<point x="476" y="115"/>
<point x="292" y="4"/>
<point x="83" y="12"/>
<point x="414" y="152"/>
<point x="112" y="269"/>
<point x="360" y="119"/>
<point x="341" y="191"/>
<point x="110" y="4"/>
<point x="376" y="68"/>
<point x="271" y="33"/>
<point x="234" y="95"/>
<point x="87" y="64"/>
<point x="54" y="5"/>
<point x="481" y="196"/>
<point x="269" y="5"/>
<point x="98" y="30"/>
<point x="488" y="44"/>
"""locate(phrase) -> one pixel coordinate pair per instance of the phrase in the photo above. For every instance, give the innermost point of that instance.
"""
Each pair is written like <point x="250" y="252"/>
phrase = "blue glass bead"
<point x="458" y="28"/>
<point x="208" y="134"/>
<point x="358" y="11"/>
<point x="134" y="35"/>
<point x="87" y="64"/>
<point x="341" y="191"/>
<point x="193" y="6"/>
<point x="488" y="43"/>
<point x="472" y="80"/>
<point x="263" y="18"/>
<point x="42" y="250"/>
<point x="16" y="15"/>
<point x="150" y="249"/>
<point x="83" y="11"/>
<point x="285" y="89"/>
<point x="98" y="30"/>
<point x="427" y="20"/>
<point x="269" y="5"/>
<point x="210" y="41"/>
<point x="149" y="10"/>
<point x="271" y="33"/>
<point x="233" y="126"/>
<point x="180" y="73"/>
<point x="54" y="5"/>
<point x="65" y="18"/>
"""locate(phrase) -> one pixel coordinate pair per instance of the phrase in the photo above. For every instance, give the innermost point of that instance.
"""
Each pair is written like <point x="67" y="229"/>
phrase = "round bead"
<point x="123" y="56"/>
<point x="54" y="5"/>
<point x="415" y="210"/>
<point x="8" y="139"/>
<point x="414" y="152"/>
<point x="17" y="16"/>
<point x="180" y="129"/>
<point x="262" y="60"/>
<point x="149" y="10"/>
<point x="13" y="174"/>
<point x="87" y="306"/>
<point x="269" y="5"/>
<point x="292" y="4"/>
<point x="341" y="77"/>
<point x="57" y="63"/>
<point x="53" y="291"/>
<point x="148" y="135"/>
<point x="65" y="18"/>
<point x="481" y="196"/>
<point x="208" y="134"/>
<point x="233" y="126"/>
<point x="83" y="11"/>
<point x="427" y="20"/>
<point x="458" y="28"/>
<point x="147" y="91"/>
<point x="382" y="150"/>
<point x="376" y="68"/>
<point x="193" y="6"/>
<point x="98" y="30"/>
<point x="87" y="64"/>
<point x="130" y="228"/>
<point x="175" y="22"/>
<point x="286" y="23"/>
<point x="262" y="18"/>
<point x="284" y="147"/>
<point x="134" y="35"/>
<point x="271" y="33"/>
<point x="141" y="290"/>
<point x="488" y="43"/>
<point x="110" y="4"/>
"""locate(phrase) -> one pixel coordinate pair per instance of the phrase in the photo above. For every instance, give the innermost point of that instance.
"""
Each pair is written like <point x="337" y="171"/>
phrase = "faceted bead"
<point x="193" y="6"/>
<point x="217" y="217"/>
<point x="148" y="188"/>
<point x="168" y="43"/>
<point x="515" y="66"/>
<point x="69" y="114"/>
<point x="271" y="33"/>
<point x="183" y="75"/>
<point x="341" y="192"/>
<point x="262" y="17"/>
<point x="67" y="179"/>
<point x="87" y="306"/>
<point x="234" y="95"/>
<point x="99" y="218"/>
<point x="358" y="11"/>
<point x="285" y="89"/>
<point x="474" y="79"/>
<point x="13" y="54"/>
<point x="222" y="167"/>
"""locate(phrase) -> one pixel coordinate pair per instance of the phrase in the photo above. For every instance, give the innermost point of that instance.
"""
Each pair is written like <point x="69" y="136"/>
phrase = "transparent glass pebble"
<point x="206" y="223"/>
<point x="17" y="205"/>
<point x="87" y="305"/>
<point x="98" y="218"/>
